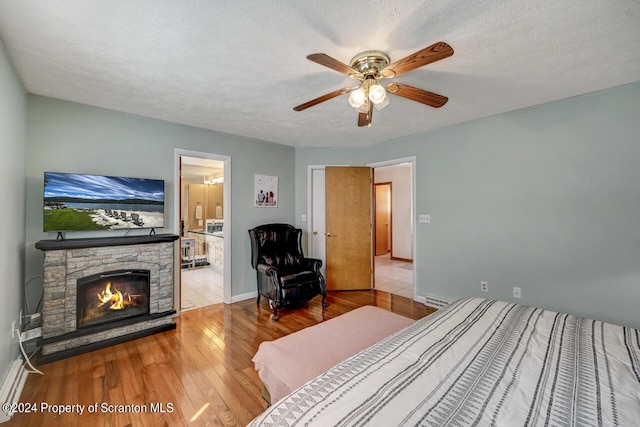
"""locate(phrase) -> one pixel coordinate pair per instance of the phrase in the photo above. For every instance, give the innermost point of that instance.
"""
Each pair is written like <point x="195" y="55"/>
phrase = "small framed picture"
<point x="266" y="192"/>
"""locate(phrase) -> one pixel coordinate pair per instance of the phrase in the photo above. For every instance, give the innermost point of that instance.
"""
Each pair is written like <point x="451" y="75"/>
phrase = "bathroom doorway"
<point x="203" y="200"/>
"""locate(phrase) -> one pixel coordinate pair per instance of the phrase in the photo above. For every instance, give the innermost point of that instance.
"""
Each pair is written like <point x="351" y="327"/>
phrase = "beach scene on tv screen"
<point x="92" y="202"/>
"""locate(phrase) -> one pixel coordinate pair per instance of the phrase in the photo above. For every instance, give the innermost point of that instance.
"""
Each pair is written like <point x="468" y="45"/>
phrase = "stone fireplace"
<point x="100" y="292"/>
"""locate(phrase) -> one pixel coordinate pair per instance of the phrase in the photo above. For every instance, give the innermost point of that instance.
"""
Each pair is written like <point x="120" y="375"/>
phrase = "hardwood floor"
<point x="200" y="374"/>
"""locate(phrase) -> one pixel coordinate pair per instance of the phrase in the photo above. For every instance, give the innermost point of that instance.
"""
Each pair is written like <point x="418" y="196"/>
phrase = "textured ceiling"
<point x="240" y="67"/>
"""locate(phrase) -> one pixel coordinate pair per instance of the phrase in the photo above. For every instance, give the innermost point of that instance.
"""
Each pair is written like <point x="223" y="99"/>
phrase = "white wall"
<point x="13" y="112"/>
<point x="400" y="178"/>
<point x="69" y="137"/>
<point x="545" y="198"/>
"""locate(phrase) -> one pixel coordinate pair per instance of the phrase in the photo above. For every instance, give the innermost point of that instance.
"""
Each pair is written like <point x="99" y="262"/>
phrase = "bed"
<point x="479" y="362"/>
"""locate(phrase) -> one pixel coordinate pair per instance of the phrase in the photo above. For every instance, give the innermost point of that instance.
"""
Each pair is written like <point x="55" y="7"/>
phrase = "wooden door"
<point x="348" y="227"/>
<point x="383" y="217"/>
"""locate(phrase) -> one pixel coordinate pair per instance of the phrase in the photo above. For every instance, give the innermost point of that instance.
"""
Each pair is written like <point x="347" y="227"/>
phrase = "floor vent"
<point x="435" y="302"/>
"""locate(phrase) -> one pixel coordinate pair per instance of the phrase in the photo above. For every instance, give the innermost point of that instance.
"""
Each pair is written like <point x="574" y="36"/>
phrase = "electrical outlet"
<point x="424" y="218"/>
<point x="13" y="329"/>
<point x="484" y="286"/>
<point x="517" y="292"/>
<point x="303" y="217"/>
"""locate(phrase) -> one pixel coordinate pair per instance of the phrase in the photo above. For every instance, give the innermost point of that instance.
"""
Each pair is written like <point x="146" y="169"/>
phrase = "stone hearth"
<point x="67" y="261"/>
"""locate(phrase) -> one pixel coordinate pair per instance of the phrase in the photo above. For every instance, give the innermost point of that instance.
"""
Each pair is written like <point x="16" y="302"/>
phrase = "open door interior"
<point x="348" y="227"/>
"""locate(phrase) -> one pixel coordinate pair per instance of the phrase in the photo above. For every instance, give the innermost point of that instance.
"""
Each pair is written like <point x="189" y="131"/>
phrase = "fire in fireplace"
<point x="112" y="295"/>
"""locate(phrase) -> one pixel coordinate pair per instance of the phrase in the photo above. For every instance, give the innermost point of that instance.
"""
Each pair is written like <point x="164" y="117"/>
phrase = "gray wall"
<point x="13" y="112"/>
<point x="69" y="137"/>
<point x="545" y="198"/>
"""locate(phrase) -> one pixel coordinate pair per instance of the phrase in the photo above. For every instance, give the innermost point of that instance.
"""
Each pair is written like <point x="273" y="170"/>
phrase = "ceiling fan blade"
<point x="322" y="98"/>
<point x="433" y="53"/>
<point x="334" y="64"/>
<point x="413" y="93"/>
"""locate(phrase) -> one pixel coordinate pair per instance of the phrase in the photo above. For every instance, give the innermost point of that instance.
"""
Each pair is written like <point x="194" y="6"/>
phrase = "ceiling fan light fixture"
<point x="357" y="98"/>
<point x="369" y="68"/>
<point x="364" y="108"/>
<point x="379" y="106"/>
<point x="377" y="94"/>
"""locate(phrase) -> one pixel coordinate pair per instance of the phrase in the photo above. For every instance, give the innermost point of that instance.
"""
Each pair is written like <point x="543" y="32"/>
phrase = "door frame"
<point x="226" y="214"/>
<point x="311" y="239"/>
<point x="375" y="218"/>
<point x="310" y="236"/>
<point x="394" y="162"/>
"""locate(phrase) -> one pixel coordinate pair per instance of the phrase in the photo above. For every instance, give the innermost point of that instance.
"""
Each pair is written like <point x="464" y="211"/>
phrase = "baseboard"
<point x="434" y="302"/>
<point x="238" y="298"/>
<point x="12" y="387"/>
<point x="395" y="258"/>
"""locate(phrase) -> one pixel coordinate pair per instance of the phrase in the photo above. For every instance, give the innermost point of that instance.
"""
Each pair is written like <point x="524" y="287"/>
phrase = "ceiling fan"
<point x="369" y="68"/>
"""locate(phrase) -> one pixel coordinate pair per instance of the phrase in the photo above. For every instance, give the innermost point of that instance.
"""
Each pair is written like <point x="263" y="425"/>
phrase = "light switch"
<point x="424" y="218"/>
<point x="303" y="217"/>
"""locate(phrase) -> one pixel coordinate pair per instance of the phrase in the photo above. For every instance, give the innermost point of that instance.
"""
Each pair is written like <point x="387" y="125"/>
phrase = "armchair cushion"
<point x="297" y="278"/>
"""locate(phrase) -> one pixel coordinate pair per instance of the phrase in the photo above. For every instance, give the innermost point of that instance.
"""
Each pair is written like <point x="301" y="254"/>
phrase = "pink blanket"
<point x="287" y="363"/>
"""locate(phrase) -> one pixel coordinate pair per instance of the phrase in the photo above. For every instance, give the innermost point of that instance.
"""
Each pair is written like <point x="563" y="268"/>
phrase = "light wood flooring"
<point x="201" y="372"/>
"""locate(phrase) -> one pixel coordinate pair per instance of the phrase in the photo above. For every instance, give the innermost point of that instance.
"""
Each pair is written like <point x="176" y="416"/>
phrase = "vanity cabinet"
<point x="215" y="250"/>
<point x="208" y="245"/>
<point x="200" y="243"/>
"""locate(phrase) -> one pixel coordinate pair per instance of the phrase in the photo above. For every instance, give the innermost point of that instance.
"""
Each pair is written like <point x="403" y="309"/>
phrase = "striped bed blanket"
<point x="479" y="362"/>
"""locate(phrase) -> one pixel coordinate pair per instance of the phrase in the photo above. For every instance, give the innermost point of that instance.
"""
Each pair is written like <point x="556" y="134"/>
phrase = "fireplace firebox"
<point x="112" y="295"/>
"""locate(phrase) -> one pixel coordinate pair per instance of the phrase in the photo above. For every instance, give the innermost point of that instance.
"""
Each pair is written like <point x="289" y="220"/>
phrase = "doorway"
<point x="203" y="206"/>
<point x="393" y="259"/>
<point x="393" y="271"/>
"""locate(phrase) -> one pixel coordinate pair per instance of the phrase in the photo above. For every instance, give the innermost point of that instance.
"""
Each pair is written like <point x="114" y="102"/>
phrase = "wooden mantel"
<point x="99" y="242"/>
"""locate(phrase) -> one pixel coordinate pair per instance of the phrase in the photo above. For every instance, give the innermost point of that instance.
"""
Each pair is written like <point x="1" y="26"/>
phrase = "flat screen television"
<point x="80" y="202"/>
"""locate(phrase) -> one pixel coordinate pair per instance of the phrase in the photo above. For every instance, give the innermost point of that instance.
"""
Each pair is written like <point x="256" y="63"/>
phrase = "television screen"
<point x="78" y="202"/>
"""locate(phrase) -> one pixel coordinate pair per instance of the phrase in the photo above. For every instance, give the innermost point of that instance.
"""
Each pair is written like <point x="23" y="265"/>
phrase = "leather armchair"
<point x="284" y="275"/>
